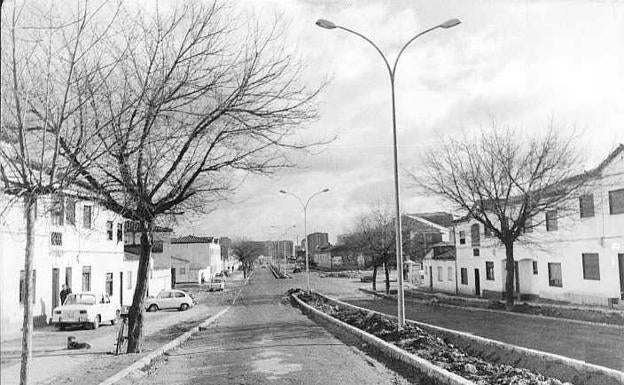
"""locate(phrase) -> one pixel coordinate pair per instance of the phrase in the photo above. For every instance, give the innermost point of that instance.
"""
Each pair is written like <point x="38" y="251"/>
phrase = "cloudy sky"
<point x="517" y="63"/>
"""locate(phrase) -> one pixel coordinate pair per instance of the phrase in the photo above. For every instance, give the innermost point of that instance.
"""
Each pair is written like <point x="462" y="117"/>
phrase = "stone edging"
<point x="422" y="366"/>
<point x="472" y="308"/>
<point x="145" y="361"/>
<point x="532" y="359"/>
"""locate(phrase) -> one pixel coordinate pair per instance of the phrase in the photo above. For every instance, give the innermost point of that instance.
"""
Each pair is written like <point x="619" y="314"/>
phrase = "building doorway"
<point x="173" y="277"/>
<point x="121" y="288"/>
<point x="621" y="265"/>
<point x="477" y="283"/>
<point x="517" y="280"/>
<point x="430" y="278"/>
<point x="55" y="287"/>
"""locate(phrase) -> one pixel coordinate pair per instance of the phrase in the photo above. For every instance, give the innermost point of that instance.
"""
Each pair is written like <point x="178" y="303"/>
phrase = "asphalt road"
<point x="263" y="339"/>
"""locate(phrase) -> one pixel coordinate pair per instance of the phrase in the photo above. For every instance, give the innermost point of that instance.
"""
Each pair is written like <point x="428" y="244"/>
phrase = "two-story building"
<point x="193" y="257"/>
<point x="575" y="255"/>
<point x="77" y="243"/>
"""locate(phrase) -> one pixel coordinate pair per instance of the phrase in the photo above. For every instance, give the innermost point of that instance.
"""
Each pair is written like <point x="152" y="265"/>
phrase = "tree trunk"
<point x="137" y="310"/>
<point x="30" y="204"/>
<point x="375" y="277"/>
<point x="509" y="282"/>
<point x="387" y="272"/>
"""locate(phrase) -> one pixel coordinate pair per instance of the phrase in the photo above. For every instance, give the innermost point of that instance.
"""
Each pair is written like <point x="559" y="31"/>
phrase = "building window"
<point x="109" y="230"/>
<point x="440" y="274"/>
<point x="56" y="211"/>
<point x="86" y="217"/>
<point x="591" y="266"/>
<point x="56" y="238"/>
<point x="464" y="275"/>
<point x="616" y="201"/>
<point x="22" y="287"/>
<point x="86" y="278"/>
<point x="551" y="220"/>
<point x="119" y="232"/>
<point x="474" y="235"/>
<point x="108" y="287"/>
<point x="157" y="247"/>
<point x="489" y="271"/>
<point x="475" y="252"/>
<point x="183" y="270"/>
<point x="462" y="237"/>
<point x="534" y="267"/>
<point x="586" y="205"/>
<point x="70" y="211"/>
<point x="554" y="275"/>
<point x="528" y="225"/>
<point x="128" y="279"/>
<point x="449" y="273"/>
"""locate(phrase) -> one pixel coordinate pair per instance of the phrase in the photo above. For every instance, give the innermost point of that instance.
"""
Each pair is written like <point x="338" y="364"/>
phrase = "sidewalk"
<point x="53" y="364"/>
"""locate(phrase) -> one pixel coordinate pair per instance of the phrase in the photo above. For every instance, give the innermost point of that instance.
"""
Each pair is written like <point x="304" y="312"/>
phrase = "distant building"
<point x="340" y="257"/>
<point x="193" y="257"/>
<point x="316" y="240"/>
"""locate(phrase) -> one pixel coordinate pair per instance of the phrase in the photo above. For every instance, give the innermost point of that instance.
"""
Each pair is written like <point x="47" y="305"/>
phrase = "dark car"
<point x="366" y="278"/>
<point x="297" y="269"/>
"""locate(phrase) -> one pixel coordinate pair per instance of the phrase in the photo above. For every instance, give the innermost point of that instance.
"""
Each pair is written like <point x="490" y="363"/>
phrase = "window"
<point x="86" y="278"/>
<point x="489" y="271"/>
<point x="22" y="286"/>
<point x="56" y="211"/>
<point x="109" y="230"/>
<point x="68" y="277"/>
<point x="119" y="232"/>
<point x="475" y="252"/>
<point x="462" y="237"/>
<point x="70" y="211"/>
<point x="534" y="267"/>
<point x="179" y="295"/>
<point x="109" y="284"/>
<point x="440" y="274"/>
<point x="551" y="220"/>
<point x="554" y="275"/>
<point x="86" y="217"/>
<point x="591" y="266"/>
<point x="586" y="205"/>
<point x="128" y="279"/>
<point x="56" y="238"/>
<point x="474" y="235"/>
<point x="464" y="275"/>
<point x="183" y="270"/>
<point x="616" y="201"/>
<point x="157" y="247"/>
<point x="449" y="273"/>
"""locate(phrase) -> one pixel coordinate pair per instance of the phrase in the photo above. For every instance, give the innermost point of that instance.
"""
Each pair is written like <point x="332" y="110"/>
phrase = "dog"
<point x="72" y="344"/>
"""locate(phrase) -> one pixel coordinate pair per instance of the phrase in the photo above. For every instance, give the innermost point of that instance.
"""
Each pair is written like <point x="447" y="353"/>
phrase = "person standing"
<point x="63" y="294"/>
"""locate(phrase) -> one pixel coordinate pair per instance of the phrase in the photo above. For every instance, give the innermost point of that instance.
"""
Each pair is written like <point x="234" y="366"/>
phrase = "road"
<point x="263" y="339"/>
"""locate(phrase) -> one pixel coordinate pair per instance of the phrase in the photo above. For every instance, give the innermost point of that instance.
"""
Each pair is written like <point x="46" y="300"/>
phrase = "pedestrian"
<point x="63" y="294"/>
<point x="203" y="279"/>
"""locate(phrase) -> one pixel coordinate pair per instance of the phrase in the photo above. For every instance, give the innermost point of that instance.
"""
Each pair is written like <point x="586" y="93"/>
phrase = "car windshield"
<point x="216" y="280"/>
<point x="80" y="299"/>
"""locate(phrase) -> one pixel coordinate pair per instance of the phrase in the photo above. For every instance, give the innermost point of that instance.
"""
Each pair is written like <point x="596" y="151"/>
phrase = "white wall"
<point x="447" y="284"/>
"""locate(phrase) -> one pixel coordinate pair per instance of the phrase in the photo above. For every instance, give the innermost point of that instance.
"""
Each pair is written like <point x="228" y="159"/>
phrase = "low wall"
<point x="548" y="364"/>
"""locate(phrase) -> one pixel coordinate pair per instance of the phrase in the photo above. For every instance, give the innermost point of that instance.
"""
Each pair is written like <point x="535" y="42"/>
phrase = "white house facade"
<point x="193" y="257"/>
<point x="576" y="256"/>
<point x="439" y="267"/>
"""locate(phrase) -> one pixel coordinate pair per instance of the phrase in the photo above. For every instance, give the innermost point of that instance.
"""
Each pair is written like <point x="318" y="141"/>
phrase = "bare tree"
<point x="247" y="252"/>
<point x="194" y="103"/>
<point x="46" y="58"/>
<point x="506" y="181"/>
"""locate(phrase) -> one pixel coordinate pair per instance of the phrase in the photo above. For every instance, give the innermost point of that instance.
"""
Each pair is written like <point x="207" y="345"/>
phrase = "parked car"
<point x="216" y="284"/>
<point x="227" y="273"/>
<point x="86" y="309"/>
<point x="366" y="278"/>
<point x="297" y="269"/>
<point x="220" y="275"/>
<point x="170" y="299"/>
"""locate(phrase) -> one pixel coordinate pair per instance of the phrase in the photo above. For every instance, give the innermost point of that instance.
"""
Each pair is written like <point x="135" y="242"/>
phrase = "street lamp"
<point x="305" y="228"/>
<point x="392" y="72"/>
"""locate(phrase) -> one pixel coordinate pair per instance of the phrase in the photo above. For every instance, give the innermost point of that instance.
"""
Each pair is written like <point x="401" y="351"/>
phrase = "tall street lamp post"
<point x="305" y="228"/>
<point x="392" y="72"/>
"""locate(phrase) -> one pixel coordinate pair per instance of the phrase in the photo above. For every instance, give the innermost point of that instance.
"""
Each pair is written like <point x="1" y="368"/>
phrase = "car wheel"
<point x="184" y="307"/>
<point x="96" y="323"/>
<point x="153" y="307"/>
<point x="114" y="320"/>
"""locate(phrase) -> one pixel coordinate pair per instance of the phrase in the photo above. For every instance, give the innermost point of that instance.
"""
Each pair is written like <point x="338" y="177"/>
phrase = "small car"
<point x="170" y="299"/>
<point x="86" y="309"/>
<point x="366" y="278"/>
<point x="216" y="284"/>
<point x="227" y="273"/>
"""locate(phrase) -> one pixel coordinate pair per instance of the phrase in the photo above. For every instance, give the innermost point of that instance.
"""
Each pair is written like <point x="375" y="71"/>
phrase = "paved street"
<point x="265" y="340"/>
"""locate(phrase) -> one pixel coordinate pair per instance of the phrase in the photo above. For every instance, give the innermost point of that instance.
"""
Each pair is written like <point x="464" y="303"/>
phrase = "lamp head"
<point x="283" y="192"/>
<point x="326" y="24"/>
<point x="325" y="190"/>
<point x="450" y="23"/>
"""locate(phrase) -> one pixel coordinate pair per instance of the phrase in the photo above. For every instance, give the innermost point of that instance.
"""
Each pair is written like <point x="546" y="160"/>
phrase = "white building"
<point x="439" y="266"/>
<point x="191" y="257"/>
<point x="77" y="243"/>
<point x="576" y="257"/>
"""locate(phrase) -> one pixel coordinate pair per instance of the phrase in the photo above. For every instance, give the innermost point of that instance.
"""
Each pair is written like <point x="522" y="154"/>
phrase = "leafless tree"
<point x="247" y="252"/>
<point x="194" y="104"/>
<point x="46" y="57"/>
<point x="505" y="180"/>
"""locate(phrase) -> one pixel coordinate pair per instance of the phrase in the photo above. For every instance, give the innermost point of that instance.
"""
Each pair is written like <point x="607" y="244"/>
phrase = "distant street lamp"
<point x="305" y="228"/>
<point x="392" y="72"/>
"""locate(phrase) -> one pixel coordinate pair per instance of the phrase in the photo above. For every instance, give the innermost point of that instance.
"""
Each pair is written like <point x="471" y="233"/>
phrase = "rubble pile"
<point x="429" y="347"/>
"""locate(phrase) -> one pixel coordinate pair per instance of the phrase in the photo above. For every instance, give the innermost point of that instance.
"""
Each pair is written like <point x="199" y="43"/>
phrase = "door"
<point x="55" y="287"/>
<point x="517" y="279"/>
<point x="173" y="277"/>
<point x="121" y="288"/>
<point x="68" y="277"/>
<point x="477" y="283"/>
<point x="621" y="264"/>
<point x="430" y="277"/>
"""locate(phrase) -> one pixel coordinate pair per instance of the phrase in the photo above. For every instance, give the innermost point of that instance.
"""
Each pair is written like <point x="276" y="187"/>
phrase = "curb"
<point x="471" y="308"/>
<point x="422" y="366"/>
<point x="147" y="360"/>
<point x="575" y="370"/>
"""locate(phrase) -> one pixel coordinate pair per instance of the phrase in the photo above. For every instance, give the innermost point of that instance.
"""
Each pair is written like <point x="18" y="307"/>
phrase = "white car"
<point x="216" y="284"/>
<point x="170" y="299"/>
<point x="87" y="309"/>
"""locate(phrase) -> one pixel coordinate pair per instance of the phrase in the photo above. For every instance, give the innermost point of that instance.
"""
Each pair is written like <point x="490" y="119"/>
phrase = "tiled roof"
<point x="180" y="259"/>
<point x="448" y="255"/>
<point x="439" y="218"/>
<point x="192" y="239"/>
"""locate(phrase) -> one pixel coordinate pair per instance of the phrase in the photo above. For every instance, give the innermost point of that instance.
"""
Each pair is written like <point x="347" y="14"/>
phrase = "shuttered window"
<point x="616" y="202"/>
<point x="586" y="205"/>
<point x="591" y="266"/>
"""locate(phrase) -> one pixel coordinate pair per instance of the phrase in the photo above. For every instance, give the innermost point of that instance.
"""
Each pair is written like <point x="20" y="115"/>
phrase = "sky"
<point x="523" y="64"/>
